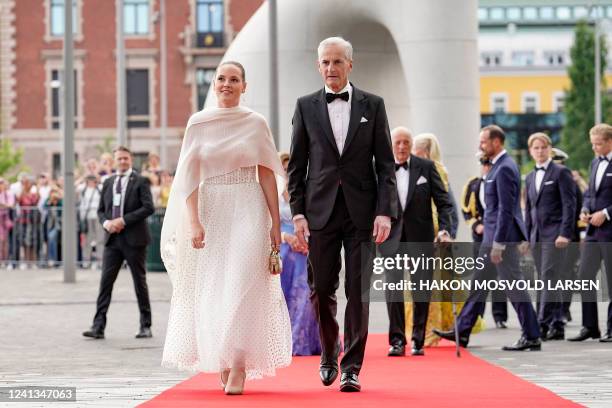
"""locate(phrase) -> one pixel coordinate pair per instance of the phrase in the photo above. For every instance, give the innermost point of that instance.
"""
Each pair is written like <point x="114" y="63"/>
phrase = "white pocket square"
<point x="489" y="181"/>
<point x="608" y="174"/>
<point x="547" y="183"/>
<point x="421" y="180"/>
<point x="363" y="120"/>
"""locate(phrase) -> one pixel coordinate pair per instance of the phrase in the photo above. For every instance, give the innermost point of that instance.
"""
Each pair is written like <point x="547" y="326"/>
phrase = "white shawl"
<point x="217" y="141"/>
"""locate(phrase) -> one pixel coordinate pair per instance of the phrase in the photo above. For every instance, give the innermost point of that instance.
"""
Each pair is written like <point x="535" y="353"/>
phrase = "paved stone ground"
<point x="41" y="320"/>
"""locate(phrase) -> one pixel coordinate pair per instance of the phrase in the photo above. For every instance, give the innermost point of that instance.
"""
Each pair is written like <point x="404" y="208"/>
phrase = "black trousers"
<point x="115" y="252"/>
<point x="549" y="262"/>
<point x="324" y="266"/>
<point x="395" y="299"/>
<point x="593" y="253"/>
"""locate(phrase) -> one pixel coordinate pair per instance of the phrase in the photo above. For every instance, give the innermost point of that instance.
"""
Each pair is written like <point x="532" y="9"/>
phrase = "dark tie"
<point x="404" y="165"/>
<point x="330" y="97"/>
<point x="117" y="208"/>
<point x="603" y="158"/>
<point x="538" y="168"/>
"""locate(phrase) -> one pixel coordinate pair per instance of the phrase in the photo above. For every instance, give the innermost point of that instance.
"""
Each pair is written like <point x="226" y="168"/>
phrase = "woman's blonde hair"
<point x="430" y="144"/>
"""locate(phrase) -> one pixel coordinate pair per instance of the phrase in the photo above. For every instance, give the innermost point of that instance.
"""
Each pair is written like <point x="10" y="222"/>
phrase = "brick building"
<point x="198" y="33"/>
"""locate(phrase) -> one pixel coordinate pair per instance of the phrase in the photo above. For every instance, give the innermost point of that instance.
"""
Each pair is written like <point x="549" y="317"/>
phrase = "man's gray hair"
<point x="401" y="130"/>
<point x="348" y="47"/>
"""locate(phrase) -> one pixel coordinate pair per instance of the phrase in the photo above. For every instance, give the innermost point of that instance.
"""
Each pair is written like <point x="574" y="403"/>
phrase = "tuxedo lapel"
<point x="547" y="175"/>
<point x="533" y="194"/>
<point x="323" y="119"/>
<point x="357" y="110"/>
<point x="413" y="175"/>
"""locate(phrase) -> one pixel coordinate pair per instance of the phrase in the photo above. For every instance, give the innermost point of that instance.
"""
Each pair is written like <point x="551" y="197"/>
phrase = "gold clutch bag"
<point x="275" y="264"/>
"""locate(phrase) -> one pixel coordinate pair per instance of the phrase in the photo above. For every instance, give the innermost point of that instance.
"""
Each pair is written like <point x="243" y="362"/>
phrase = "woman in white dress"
<point x="227" y="313"/>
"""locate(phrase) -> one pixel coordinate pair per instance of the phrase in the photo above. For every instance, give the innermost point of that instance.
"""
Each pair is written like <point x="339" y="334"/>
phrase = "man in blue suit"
<point x="597" y="212"/>
<point x="550" y="219"/>
<point x="503" y="231"/>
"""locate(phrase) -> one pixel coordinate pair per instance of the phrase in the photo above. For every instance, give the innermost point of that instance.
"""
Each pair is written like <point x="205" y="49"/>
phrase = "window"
<point x="204" y="77"/>
<point x="496" y="13"/>
<point x="530" y="103"/>
<point x="609" y="11"/>
<point x="530" y="13"/>
<point x="513" y="13"/>
<point x="56" y="102"/>
<point x="491" y="59"/>
<point x="580" y="12"/>
<point x="555" y="58"/>
<point x="564" y="13"/>
<point x="482" y="14"/>
<point x="558" y="101"/>
<point x="137" y="82"/>
<point x="499" y="103"/>
<point x="57" y="17"/>
<point x="209" y="23"/>
<point x="547" y="13"/>
<point x="136" y="17"/>
<point x="523" y="58"/>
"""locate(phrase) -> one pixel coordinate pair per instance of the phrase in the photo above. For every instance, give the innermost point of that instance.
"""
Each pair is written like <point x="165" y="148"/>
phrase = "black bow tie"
<point x="603" y="158"/>
<point x="538" y="168"/>
<point x="330" y="97"/>
<point x="404" y="165"/>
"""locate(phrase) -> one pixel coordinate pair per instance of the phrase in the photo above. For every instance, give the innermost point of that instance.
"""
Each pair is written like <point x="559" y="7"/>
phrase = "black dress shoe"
<point x="397" y="350"/>
<point x="585" y="334"/>
<point x="94" y="333"/>
<point x="500" y="324"/>
<point x="556" y="334"/>
<point x="328" y="375"/>
<point x="450" y="335"/>
<point x="523" y="344"/>
<point x="543" y="333"/>
<point x="349" y="382"/>
<point x="417" y="351"/>
<point x="607" y="338"/>
<point x="144" y="333"/>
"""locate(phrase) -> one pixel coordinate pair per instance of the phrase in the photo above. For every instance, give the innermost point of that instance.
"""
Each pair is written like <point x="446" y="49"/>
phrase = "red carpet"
<point x="437" y="380"/>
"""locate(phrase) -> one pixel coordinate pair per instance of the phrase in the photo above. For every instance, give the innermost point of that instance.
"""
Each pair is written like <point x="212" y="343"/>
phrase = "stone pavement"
<point x="41" y="320"/>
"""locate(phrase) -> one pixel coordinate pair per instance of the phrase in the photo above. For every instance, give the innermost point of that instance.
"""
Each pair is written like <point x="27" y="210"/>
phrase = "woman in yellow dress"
<point x="426" y="146"/>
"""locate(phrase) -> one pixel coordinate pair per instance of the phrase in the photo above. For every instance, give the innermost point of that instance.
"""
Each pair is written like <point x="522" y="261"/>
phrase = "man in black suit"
<point x="341" y="181"/>
<point x="597" y="213"/>
<point x="473" y="208"/>
<point x="125" y="204"/>
<point x="550" y="209"/>
<point x="418" y="182"/>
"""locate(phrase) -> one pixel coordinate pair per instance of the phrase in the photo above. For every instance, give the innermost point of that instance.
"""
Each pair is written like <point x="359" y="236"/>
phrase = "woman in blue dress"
<point x="294" y="281"/>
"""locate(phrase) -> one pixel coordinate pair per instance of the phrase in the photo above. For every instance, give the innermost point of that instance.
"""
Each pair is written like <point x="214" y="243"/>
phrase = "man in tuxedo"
<point x="503" y="231"/>
<point x="125" y="204"/>
<point x="596" y="212"/>
<point x="550" y="209"/>
<point x="341" y="183"/>
<point x="473" y="207"/>
<point x="418" y="183"/>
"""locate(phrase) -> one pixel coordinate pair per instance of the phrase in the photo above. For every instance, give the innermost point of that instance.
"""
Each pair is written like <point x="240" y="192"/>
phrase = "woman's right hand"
<point x="197" y="235"/>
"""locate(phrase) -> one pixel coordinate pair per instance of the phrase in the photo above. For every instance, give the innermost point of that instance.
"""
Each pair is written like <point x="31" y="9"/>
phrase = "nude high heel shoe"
<point x="235" y="381"/>
<point x="224" y="377"/>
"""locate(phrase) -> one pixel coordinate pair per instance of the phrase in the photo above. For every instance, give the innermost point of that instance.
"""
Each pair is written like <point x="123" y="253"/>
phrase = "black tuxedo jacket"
<point x="416" y="221"/>
<point x="597" y="200"/>
<point x="138" y="205"/>
<point x="364" y="169"/>
<point x="551" y="211"/>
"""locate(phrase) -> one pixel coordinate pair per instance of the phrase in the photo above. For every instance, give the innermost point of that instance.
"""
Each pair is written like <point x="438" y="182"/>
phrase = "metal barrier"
<point x="31" y="237"/>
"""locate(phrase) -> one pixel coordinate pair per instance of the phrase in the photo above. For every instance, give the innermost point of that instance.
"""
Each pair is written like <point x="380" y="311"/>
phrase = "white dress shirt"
<point x="539" y="174"/>
<point x="340" y="115"/>
<point x="124" y="183"/>
<point x="481" y="193"/>
<point x="402" y="177"/>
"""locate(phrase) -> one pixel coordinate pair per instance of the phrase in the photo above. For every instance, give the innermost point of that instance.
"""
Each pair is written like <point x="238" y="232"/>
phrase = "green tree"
<point x="579" y="104"/>
<point x="10" y="157"/>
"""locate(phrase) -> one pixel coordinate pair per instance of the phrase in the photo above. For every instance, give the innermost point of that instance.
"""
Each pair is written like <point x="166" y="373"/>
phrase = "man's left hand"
<point x="382" y="228"/>
<point x="598" y="218"/>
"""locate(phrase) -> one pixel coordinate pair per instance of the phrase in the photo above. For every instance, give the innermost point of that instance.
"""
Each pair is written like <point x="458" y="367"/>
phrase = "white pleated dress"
<point x="234" y="310"/>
